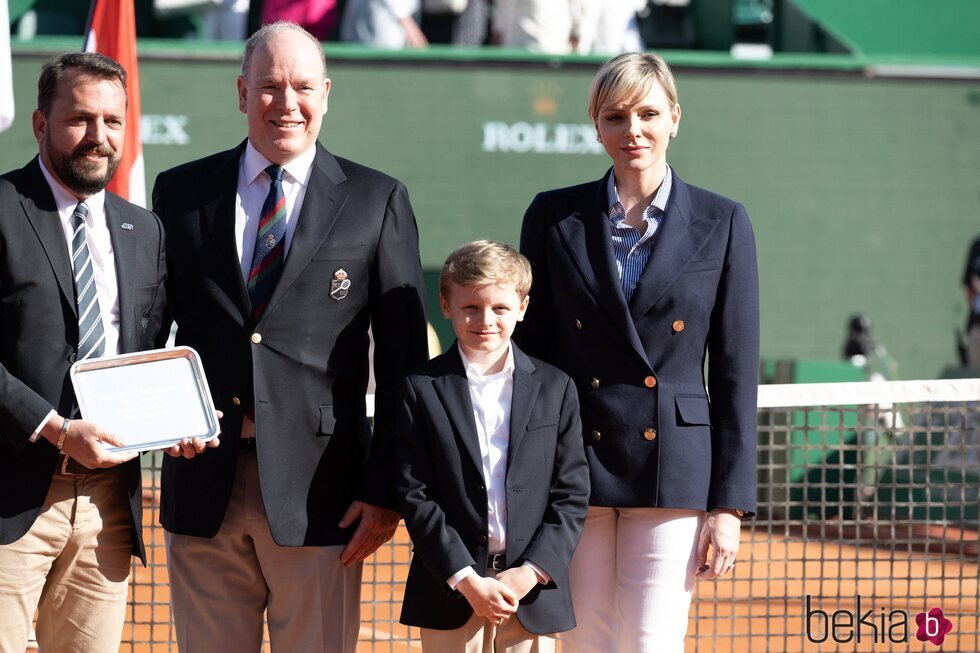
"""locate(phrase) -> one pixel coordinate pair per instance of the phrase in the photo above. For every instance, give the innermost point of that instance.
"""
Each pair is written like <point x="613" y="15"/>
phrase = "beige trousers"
<point x="73" y="566"/>
<point x="480" y="636"/>
<point x="220" y="587"/>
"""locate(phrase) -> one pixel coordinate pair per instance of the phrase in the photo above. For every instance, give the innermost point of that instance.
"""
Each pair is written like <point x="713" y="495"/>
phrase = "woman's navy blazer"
<point x="653" y="435"/>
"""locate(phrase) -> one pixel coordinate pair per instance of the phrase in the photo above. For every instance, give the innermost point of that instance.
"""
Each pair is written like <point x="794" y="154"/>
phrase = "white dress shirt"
<point x="253" y="188"/>
<point x="492" y="395"/>
<point x="100" y="250"/>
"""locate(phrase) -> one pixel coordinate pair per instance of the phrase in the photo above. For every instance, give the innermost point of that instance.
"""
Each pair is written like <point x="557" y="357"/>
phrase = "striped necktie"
<point x="270" y="245"/>
<point x="91" y="332"/>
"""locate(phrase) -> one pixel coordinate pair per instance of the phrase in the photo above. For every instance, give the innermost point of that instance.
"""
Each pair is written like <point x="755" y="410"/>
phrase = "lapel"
<point x="125" y="255"/>
<point x="38" y="204"/>
<point x="682" y="236"/>
<point x="454" y="393"/>
<point x="218" y="193"/>
<point x="525" y="395"/>
<point x="321" y="205"/>
<point x="586" y="235"/>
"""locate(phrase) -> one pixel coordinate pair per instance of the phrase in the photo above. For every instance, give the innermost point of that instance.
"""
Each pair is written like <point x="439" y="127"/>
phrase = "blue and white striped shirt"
<point x="632" y="248"/>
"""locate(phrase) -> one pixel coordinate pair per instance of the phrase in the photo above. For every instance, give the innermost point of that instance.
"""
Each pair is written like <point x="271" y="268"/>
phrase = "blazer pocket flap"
<point x="328" y="420"/>
<point x="541" y="422"/>
<point x="693" y="409"/>
<point x="352" y="253"/>
<point x="706" y="264"/>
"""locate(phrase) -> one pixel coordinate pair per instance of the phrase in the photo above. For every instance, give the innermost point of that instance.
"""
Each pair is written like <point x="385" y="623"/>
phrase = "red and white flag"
<point x="6" y="73"/>
<point x="112" y="31"/>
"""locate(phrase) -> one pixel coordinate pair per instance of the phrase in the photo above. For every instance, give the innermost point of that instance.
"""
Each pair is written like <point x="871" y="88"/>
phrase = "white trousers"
<point x="631" y="577"/>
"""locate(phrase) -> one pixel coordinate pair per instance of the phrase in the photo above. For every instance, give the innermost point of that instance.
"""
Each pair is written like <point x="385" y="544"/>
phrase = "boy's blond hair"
<point x="486" y="263"/>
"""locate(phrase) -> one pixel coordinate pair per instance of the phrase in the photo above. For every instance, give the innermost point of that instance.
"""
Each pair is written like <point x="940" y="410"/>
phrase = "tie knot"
<point x="274" y="172"/>
<point x="80" y="213"/>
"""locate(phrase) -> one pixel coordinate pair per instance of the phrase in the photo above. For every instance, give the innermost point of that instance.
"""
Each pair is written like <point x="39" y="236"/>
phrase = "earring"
<point x="598" y="138"/>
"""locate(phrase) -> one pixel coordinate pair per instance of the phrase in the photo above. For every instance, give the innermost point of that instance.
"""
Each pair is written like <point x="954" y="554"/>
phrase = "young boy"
<point x="492" y="474"/>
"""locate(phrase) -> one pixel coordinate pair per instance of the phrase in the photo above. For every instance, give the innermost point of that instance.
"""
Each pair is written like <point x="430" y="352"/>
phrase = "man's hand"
<point x="190" y="447"/>
<point x="720" y="533"/>
<point x="489" y="598"/>
<point x="377" y="527"/>
<point x="85" y="441"/>
<point x="520" y="580"/>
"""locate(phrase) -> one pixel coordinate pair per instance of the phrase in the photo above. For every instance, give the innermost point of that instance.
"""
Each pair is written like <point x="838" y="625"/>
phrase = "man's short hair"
<point x="277" y="27"/>
<point x="486" y="263"/>
<point x="91" y="63"/>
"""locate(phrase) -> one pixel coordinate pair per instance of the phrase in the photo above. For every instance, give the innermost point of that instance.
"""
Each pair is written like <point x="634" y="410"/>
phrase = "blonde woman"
<point x="639" y="279"/>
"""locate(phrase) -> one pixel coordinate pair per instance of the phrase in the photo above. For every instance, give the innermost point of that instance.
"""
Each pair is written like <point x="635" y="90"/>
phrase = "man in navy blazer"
<point x="279" y="518"/>
<point x="70" y="511"/>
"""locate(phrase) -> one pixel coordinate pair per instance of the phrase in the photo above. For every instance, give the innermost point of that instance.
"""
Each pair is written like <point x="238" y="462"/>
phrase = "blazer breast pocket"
<point x="703" y="265"/>
<point x="542" y="422"/>
<point x="351" y="253"/>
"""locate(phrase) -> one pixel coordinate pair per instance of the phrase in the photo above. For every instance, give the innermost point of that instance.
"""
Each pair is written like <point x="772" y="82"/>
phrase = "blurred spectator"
<point x="610" y="27"/>
<point x="318" y="17"/>
<point x="459" y="22"/>
<point x="383" y="23"/>
<point x="862" y="351"/>
<point x="565" y="26"/>
<point x="225" y="20"/>
<point x="547" y="26"/>
<point x="971" y="281"/>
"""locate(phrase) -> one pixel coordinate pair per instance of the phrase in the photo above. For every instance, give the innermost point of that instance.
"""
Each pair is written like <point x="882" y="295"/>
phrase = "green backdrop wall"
<point x="864" y="191"/>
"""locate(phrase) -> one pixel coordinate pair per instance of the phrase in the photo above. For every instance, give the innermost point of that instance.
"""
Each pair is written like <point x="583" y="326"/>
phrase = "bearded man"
<point x="81" y="276"/>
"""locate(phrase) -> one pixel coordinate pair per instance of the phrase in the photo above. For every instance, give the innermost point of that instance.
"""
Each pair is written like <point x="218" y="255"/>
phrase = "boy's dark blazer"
<point x="652" y="437"/>
<point x="39" y="332"/>
<point x="443" y="492"/>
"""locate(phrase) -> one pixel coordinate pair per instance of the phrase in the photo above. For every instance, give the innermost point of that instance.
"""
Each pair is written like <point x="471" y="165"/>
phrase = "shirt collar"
<point x="616" y="211"/>
<point x="299" y="168"/>
<point x="66" y="202"/>
<point x="474" y="376"/>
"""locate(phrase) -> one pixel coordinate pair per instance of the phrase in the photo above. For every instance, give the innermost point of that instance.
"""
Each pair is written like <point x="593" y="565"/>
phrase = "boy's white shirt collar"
<point x="473" y="374"/>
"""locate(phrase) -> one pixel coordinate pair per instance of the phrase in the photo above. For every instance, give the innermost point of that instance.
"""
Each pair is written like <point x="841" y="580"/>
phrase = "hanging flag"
<point x="112" y="31"/>
<point x="6" y="72"/>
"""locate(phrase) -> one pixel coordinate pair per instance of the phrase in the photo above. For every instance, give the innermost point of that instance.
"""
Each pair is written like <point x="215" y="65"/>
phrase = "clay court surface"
<point x="760" y="609"/>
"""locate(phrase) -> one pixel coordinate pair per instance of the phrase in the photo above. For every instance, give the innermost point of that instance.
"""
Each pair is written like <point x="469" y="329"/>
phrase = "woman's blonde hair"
<point x="486" y="263"/>
<point x="629" y="77"/>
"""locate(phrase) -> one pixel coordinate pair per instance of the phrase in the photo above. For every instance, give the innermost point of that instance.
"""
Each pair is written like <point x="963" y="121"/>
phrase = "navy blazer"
<point x="444" y="499"/>
<point x="39" y="333"/>
<point x="303" y="366"/>
<point x="652" y="436"/>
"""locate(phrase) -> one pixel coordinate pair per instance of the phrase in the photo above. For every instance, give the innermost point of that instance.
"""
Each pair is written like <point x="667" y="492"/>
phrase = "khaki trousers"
<point x="221" y="586"/>
<point x="75" y="560"/>
<point x="480" y="636"/>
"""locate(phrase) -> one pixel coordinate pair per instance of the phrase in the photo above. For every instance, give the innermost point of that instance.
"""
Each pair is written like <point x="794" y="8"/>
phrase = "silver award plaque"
<point x="150" y="399"/>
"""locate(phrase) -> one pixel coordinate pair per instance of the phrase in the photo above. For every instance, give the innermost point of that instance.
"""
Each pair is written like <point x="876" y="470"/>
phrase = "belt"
<point x="497" y="561"/>
<point x="247" y="443"/>
<point x="71" y="467"/>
